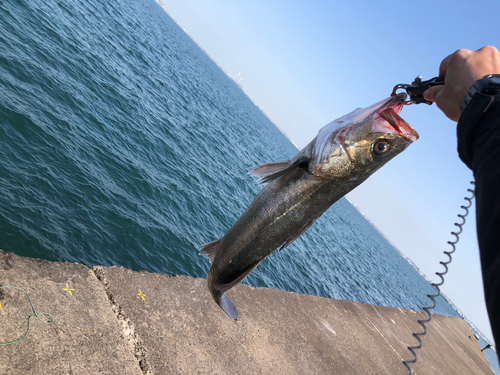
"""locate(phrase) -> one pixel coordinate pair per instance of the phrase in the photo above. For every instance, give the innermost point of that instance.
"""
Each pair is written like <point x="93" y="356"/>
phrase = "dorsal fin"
<point x="209" y="249"/>
<point x="271" y="171"/>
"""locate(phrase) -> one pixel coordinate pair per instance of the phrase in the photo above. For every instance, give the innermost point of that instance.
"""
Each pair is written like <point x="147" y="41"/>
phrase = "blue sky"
<point x="306" y="63"/>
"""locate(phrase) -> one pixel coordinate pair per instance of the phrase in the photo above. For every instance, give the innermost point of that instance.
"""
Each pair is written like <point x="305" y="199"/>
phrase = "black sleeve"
<point x="478" y="133"/>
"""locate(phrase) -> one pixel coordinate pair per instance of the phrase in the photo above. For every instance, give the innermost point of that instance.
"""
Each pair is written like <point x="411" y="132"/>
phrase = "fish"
<point x="297" y="192"/>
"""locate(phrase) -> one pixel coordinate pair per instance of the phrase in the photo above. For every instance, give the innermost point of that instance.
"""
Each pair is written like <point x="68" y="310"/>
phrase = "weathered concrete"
<point x="106" y="327"/>
<point x="86" y="337"/>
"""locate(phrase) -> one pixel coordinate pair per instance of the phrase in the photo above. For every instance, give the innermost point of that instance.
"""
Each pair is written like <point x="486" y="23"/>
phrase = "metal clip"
<point x="417" y="88"/>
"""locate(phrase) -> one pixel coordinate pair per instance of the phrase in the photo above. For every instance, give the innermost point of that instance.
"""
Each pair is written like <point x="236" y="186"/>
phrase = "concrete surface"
<point x="117" y="321"/>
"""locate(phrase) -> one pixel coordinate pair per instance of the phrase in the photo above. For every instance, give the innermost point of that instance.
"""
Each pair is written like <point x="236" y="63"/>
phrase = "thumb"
<point x="432" y="92"/>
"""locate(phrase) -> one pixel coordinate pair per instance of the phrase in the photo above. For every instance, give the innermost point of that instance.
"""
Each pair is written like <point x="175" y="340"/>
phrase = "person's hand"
<point x="460" y="70"/>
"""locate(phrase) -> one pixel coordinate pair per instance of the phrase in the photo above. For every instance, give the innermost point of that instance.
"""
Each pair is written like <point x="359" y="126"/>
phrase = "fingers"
<point x="443" y="68"/>
<point x="431" y="93"/>
<point x="438" y="95"/>
<point x="461" y="69"/>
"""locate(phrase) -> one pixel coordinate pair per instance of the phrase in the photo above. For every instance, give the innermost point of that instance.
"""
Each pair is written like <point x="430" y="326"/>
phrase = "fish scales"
<point x="297" y="192"/>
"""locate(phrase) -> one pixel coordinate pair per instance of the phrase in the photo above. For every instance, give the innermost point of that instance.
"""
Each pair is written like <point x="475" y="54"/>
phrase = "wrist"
<point x="488" y="85"/>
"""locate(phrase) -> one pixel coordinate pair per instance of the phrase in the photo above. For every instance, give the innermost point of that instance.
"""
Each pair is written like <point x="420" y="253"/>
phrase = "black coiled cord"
<point x="433" y="297"/>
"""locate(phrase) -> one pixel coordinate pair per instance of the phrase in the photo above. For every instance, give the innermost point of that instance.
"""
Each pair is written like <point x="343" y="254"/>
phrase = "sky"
<point x="306" y="63"/>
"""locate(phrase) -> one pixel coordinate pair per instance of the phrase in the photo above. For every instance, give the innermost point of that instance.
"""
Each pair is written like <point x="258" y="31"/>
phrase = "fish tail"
<point x="226" y="305"/>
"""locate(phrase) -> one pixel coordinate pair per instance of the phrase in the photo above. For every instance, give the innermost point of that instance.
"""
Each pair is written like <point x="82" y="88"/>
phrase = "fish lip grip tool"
<point x="417" y="88"/>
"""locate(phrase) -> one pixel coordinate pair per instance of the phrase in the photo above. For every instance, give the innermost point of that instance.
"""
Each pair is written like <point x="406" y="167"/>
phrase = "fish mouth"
<point x="383" y="115"/>
<point x="386" y="119"/>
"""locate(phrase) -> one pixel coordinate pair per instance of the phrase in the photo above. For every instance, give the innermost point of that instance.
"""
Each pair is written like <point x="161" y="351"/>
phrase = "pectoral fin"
<point x="271" y="171"/>
<point x="265" y="172"/>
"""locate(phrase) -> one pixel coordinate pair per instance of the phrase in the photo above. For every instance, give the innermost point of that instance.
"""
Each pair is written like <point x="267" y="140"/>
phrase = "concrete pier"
<point x="111" y="320"/>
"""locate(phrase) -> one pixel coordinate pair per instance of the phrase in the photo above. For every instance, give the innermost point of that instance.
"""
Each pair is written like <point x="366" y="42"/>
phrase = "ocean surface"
<point x="123" y="143"/>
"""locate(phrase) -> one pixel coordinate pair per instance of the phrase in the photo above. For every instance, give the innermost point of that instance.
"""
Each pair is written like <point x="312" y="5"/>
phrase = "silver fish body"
<point x="297" y="192"/>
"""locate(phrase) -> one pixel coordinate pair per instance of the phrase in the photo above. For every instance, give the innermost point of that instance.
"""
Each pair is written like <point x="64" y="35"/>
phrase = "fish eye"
<point x="380" y="147"/>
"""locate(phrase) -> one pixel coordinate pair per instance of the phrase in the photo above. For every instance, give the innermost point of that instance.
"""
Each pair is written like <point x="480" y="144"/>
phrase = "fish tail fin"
<point x="221" y="300"/>
<point x="209" y="249"/>
<point x="228" y="307"/>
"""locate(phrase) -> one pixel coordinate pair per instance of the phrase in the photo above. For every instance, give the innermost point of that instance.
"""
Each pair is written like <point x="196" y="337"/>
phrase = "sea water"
<point x="123" y="143"/>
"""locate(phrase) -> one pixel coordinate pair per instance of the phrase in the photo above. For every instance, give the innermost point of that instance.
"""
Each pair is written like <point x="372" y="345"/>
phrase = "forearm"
<point x="479" y="148"/>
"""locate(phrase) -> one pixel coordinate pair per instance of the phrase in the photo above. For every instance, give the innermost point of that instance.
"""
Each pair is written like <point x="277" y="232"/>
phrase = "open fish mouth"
<point x="384" y="117"/>
<point x="387" y="120"/>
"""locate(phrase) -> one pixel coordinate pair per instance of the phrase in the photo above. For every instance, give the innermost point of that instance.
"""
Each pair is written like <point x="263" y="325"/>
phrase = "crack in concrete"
<point x="127" y="326"/>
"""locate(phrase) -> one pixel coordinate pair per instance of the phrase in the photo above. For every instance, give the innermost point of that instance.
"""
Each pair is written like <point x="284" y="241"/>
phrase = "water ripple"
<point x="122" y="143"/>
